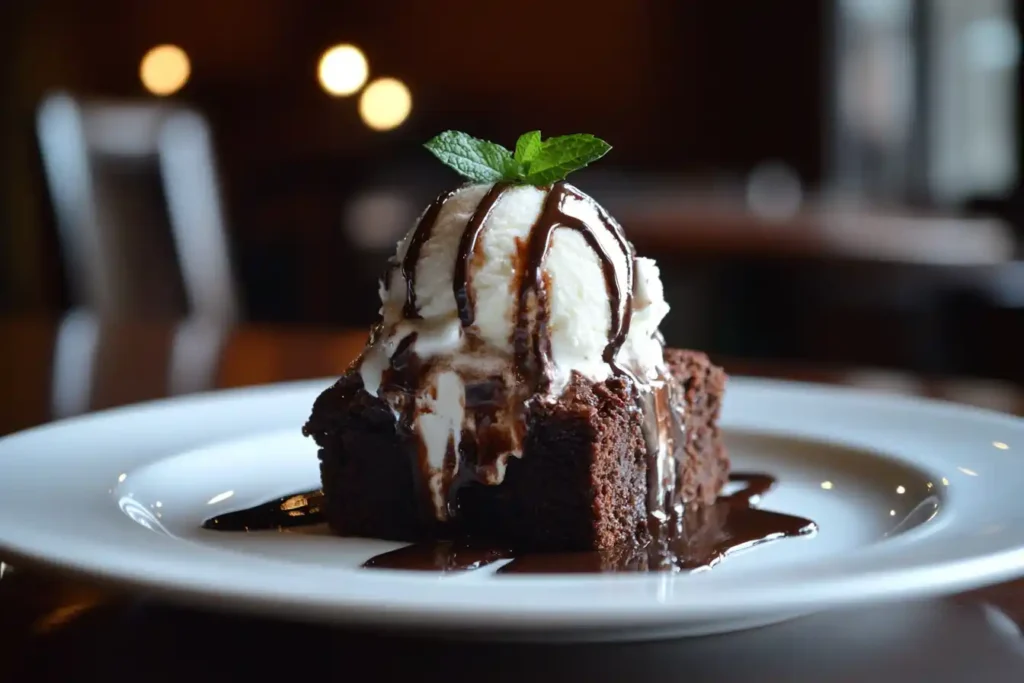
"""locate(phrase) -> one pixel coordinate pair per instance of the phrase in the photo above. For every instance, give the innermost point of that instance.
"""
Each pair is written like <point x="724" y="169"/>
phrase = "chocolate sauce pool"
<point x="298" y="509"/>
<point x="698" y="539"/>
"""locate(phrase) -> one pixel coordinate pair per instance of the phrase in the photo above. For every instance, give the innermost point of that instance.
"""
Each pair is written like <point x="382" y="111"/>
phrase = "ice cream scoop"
<point x="494" y="299"/>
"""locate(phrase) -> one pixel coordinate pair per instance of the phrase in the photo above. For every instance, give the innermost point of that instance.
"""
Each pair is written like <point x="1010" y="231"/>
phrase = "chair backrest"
<point x="137" y="201"/>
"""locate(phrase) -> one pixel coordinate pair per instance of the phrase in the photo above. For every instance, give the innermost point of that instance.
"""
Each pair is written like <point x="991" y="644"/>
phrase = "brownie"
<point x="580" y="485"/>
<point x="371" y="481"/>
<point x="582" y="481"/>
<point x="705" y="463"/>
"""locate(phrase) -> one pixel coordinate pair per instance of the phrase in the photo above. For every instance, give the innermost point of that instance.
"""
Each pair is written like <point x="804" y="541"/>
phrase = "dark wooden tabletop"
<point x="64" y="629"/>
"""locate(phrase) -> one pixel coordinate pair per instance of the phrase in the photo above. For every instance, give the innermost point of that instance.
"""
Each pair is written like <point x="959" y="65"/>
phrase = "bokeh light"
<point x="164" y="69"/>
<point x="385" y="104"/>
<point x="343" y="70"/>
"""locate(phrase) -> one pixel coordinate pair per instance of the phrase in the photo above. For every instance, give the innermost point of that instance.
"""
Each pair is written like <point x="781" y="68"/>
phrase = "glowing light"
<point x="220" y="497"/>
<point x="1000" y="445"/>
<point x="121" y="477"/>
<point x="969" y="473"/>
<point x="892" y="513"/>
<point x="65" y="614"/>
<point x="827" y="485"/>
<point x="900" y="490"/>
<point x="930" y="485"/>
<point x="343" y="70"/>
<point x="385" y="104"/>
<point x="945" y="482"/>
<point x="159" y="504"/>
<point x="164" y="69"/>
<point x="295" y="502"/>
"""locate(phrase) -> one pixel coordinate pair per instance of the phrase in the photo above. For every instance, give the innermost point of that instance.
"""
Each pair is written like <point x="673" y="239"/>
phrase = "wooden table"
<point x="60" y="629"/>
<point x="668" y="221"/>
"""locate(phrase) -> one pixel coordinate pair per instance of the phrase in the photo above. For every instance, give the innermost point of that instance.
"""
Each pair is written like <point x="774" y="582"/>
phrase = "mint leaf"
<point x="527" y="147"/>
<point x="535" y="162"/>
<point x="479" y="160"/>
<point x="560" y="156"/>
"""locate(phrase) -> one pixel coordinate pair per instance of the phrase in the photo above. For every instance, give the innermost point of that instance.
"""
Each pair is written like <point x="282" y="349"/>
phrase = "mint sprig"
<point x="478" y="160"/>
<point x="535" y="161"/>
<point x="558" y="157"/>
<point x="527" y="147"/>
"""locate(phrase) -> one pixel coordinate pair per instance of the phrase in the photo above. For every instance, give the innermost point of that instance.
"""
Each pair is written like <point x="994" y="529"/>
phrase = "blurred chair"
<point x="137" y="201"/>
<point x="143" y="237"/>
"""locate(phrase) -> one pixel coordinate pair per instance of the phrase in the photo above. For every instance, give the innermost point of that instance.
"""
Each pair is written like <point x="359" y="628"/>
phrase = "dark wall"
<point x="675" y="85"/>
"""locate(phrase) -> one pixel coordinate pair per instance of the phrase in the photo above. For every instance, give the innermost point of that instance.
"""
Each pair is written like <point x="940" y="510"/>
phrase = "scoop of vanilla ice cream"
<point x="580" y="314"/>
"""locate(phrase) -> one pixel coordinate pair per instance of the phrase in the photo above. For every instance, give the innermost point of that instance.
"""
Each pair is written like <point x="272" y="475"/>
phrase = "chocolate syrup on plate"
<point x="440" y="556"/>
<point x="698" y="539"/>
<point x="298" y="509"/>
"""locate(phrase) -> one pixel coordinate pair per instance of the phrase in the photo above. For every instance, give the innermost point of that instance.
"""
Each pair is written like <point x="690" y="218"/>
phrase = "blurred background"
<point x="829" y="181"/>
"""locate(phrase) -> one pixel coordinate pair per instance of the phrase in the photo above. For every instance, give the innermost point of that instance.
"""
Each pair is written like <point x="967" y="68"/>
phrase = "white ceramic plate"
<point x="912" y="498"/>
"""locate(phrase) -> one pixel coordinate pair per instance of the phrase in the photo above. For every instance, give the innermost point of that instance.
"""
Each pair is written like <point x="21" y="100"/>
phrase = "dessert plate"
<point x="912" y="498"/>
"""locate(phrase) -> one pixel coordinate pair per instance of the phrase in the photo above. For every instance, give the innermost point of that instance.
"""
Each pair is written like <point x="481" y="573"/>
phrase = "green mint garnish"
<point x="535" y="162"/>
<point x="479" y="160"/>
<point x="558" y="157"/>
<point x="527" y="147"/>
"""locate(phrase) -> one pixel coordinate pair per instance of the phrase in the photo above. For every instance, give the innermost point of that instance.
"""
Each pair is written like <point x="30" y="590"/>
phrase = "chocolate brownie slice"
<point x="580" y="485"/>
<point x="703" y="467"/>
<point x="582" y="481"/>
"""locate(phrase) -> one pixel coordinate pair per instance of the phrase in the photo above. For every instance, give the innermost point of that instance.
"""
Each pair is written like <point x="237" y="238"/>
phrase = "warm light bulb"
<point x="343" y="70"/>
<point x="385" y="104"/>
<point x="164" y="69"/>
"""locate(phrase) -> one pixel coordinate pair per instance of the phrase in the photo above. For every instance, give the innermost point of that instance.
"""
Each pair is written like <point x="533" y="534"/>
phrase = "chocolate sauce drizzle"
<point x="699" y="538"/>
<point x="533" y="280"/>
<point x="467" y="249"/>
<point x="419" y="237"/>
<point x="402" y="376"/>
